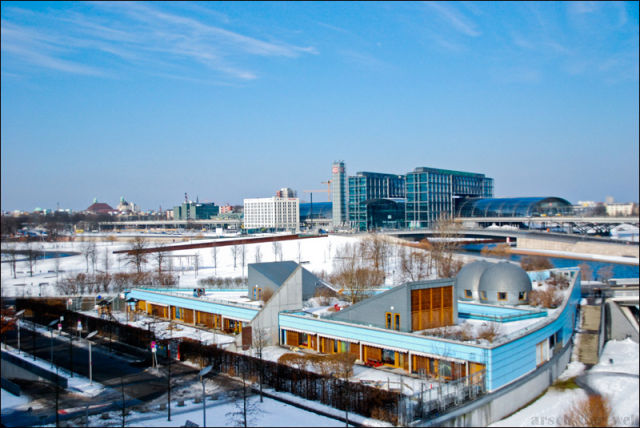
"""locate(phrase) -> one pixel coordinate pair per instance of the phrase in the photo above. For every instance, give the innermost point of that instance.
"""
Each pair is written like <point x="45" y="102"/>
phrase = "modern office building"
<point x="272" y="213"/>
<point x="376" y="200"/>
<point x="431" y="193"/>
<point x="195" y="211"/>
<point x="339" y="193"/>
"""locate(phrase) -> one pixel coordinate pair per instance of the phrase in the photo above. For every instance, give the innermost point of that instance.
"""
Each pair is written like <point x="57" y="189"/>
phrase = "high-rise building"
<point x="376" y="200"/>
<point x="339" y="193"/>
<point x="195" y="211"/>
<point x="272" y="213"/>
<point x="431" y="193"/>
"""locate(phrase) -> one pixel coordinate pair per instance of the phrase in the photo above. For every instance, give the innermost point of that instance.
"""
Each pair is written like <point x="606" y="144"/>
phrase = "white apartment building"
<point x="272" y="213"/>
<point x="620" y="209"/>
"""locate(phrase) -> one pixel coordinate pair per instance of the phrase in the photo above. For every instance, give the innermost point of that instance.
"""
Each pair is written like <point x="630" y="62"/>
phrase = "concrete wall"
<point x="618" y="325"/>
<point x="14" y="367"/>
<point x="287" y="297"/>
<point x="589" y="247"/>
<point x="497" y="405"/>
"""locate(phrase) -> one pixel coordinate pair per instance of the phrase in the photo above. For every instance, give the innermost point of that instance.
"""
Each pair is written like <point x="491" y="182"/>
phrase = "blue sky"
<point x="233" y="100"/>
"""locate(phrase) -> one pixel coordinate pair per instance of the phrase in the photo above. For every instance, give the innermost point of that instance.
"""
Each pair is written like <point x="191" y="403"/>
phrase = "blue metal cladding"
<point x="226" y="310"/>
<point x="517" y="358"/>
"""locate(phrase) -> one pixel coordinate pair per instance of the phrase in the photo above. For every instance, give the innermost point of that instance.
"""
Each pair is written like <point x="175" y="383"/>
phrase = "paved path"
<point x="589" y="335"/>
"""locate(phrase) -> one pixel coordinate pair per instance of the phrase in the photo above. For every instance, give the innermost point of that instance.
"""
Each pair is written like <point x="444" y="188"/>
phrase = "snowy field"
<point x="618" y="381"/>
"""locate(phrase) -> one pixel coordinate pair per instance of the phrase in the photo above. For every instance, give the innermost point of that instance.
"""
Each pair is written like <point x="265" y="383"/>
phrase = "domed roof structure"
<point x="504" y="283"/>
<point x="468" y="279"/>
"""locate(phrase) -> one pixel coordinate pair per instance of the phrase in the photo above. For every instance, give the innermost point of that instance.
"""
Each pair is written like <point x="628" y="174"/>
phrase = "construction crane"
<point x="328" y="183"/>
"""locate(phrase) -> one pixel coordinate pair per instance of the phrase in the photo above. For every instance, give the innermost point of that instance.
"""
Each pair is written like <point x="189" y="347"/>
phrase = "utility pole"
<point x="169" y="382"/>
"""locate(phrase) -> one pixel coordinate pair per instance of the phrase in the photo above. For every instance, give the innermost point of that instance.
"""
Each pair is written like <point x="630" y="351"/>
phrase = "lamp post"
<point x="89" y="336"/>
<point x="202" y="374"/>
<point x="51" y="324"/>
<point x="17" y="316"/>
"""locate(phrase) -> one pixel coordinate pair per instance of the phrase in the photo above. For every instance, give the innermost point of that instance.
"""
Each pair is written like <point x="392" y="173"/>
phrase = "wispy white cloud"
<point x="454" y="18"/>
<point x="140" y="35"/>
<point x="36" y="49"/>
<point x="582" y="7"/>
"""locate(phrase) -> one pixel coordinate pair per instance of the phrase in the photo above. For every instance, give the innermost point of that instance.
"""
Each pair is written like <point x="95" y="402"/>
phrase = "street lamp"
<point x="89" y="336"/>
<point x="17" y="317"/>
<point x="51" y="324"/>
<point x="202" y="374"/>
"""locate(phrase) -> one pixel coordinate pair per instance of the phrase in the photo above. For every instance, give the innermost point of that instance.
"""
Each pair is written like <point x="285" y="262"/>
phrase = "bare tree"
<point x="93" y="255"/>
<point x="605" y="273"/>
<point x="260" y="340"/>
<point x="32" y="258"/>
<point x="353" y="274"/>
<point x="243" y="256"/>
<point x="277" y="251"/>
<point x="13" y="261"/>
<point x="196" y="264"/>
<point x="586" y="273"/>
<point x="106" y="260"/>
<point x="136" y="255"/>
<point x="86" y="252"/>
<point x="414" y="264"/>
<point x="56" y="265"/>
<point x="235" y="250"/>
<point x="344" y="370"/>
<point x="214" y="256"/>
<point x="245" y="412"/>
<point x="159" y="258"/>
<point x="258" y="254"/>
<point x="444" y="247"/>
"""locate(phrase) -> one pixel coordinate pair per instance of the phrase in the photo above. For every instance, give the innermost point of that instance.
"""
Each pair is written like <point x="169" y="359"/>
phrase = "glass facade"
<point x="431" y="193"/>
<point x="369" y="186"/>
<point x="514" y="207"/>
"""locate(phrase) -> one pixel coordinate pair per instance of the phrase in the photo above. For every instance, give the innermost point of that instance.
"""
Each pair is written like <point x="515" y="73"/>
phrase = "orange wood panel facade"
<point x="431" y="307"/>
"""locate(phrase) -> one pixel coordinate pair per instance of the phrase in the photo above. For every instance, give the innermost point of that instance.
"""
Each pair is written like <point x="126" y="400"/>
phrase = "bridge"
<point x="536" y="240"/>
<point x="575" y="223"/>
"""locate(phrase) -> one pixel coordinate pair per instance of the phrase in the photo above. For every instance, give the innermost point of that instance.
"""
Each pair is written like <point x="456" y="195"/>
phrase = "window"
<point x="522" y="295"/>
<point x="387" y="323"/>
<point x="468" y="294"/>
<point x="396" y="321"/>
<point x="483" y="295"/>
<point x="502" y="295"/>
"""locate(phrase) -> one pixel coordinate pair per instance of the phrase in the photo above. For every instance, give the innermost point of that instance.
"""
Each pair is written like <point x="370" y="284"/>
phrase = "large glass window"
<point x="389" y="357"/>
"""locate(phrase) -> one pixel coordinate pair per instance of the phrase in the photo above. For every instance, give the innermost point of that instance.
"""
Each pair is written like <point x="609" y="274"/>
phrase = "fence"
<point x="429" y="403"/>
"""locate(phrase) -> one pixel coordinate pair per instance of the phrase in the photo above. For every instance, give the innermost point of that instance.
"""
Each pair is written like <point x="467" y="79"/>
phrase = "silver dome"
<point x="468" y="279"/>
<point x="504" y="283"/>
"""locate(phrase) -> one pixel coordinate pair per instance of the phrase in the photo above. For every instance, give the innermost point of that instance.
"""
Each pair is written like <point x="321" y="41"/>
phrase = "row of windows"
<point x="502" y="295"/>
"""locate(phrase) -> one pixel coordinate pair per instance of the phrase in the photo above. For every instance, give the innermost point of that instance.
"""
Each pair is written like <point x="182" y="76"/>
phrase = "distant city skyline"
<point x="227" y="101"/>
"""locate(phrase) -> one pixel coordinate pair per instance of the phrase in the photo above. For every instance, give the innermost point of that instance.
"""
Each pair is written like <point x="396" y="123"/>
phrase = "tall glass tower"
<point x="339" y="193"/>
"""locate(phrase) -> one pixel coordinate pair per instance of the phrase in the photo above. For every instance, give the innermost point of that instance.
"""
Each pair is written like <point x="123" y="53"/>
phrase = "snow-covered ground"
<point x="221" y="412"/>
<point x="617" y="381"/>
<point x="10" y="401"/>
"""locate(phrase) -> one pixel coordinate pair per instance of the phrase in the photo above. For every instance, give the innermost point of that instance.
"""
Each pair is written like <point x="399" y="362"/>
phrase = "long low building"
<point x="420" y="327"/>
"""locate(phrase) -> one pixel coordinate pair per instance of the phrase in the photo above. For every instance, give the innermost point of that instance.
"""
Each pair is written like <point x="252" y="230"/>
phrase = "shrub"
<point x="592" y="411"/>
<point x="548" y="298"/>
<point x="323" y="295"/>
<point x="489" y="332"/>
<point x="530" y="263"/>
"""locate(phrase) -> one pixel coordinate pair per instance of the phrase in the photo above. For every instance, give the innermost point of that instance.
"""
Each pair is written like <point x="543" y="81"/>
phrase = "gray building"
<point x="501" y="283"/>
<point x="271" y="275"/>
<point x="412" y="306"/>
<point x="339" y="193"/>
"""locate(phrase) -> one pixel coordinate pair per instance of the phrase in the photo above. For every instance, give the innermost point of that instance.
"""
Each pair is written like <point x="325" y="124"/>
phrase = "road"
<point x="113" y="369"/>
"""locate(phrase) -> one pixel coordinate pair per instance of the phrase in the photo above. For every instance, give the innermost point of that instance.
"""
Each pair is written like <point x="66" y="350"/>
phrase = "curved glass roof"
<point x="513" y="207"/>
